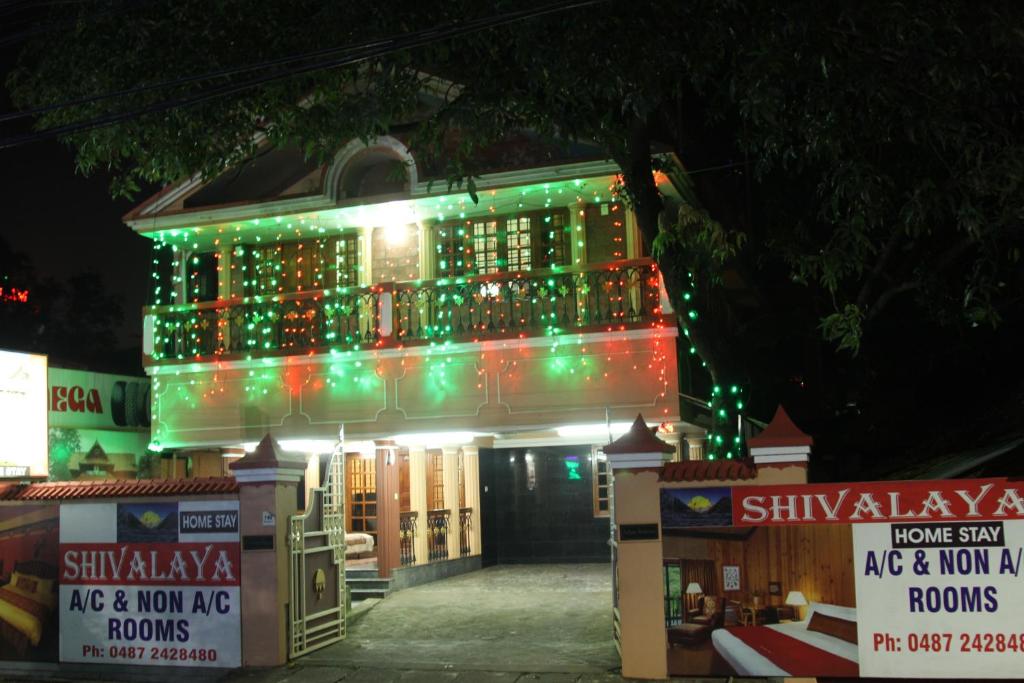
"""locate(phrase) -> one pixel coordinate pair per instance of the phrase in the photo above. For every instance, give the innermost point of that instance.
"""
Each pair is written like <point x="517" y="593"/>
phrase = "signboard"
<point x="94" y="400"/>
<point x="23" y="415"/>
<point x="152" y="583"/>
<point x="921" y="579"/>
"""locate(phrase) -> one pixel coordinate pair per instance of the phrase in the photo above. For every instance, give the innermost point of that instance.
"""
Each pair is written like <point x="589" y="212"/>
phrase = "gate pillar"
<point x="267" y="495"/>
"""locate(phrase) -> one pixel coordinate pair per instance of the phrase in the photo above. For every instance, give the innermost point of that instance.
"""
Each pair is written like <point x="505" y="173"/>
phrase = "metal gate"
<point x="316" y="540"/>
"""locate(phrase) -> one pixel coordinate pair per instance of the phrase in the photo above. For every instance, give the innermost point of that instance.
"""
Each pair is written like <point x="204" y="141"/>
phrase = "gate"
<point x="316" y="541"/>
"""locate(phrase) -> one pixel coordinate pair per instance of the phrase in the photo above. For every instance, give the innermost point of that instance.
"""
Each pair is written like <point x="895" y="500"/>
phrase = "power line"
<point x="356" y="54"/>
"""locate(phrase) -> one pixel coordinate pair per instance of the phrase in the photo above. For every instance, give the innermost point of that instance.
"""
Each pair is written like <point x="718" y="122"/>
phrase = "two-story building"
<point x="477" y="354"/>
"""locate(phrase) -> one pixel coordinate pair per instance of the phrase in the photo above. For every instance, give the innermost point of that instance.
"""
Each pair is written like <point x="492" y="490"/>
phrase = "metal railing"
<point x="530" y="303"/>
<point x="437" y="534"/>
<point x="407" y="537"/>
<point x="465" y="529"/>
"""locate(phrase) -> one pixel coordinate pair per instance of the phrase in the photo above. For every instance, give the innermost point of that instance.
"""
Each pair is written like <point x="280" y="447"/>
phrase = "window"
<point x="517" y="231"/>
<point x="602" y="484"/>
<point x="518" y="242"/>
<point x="606" y="232"/>
<point x="299" y="265"/>
<point x="435" y="481"/>
<point x="202" y="277"/>
<point x="451" y="250"/>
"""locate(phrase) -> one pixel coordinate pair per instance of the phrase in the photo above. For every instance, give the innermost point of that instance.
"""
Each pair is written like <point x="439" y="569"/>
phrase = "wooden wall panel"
<point x="815" y="560"/>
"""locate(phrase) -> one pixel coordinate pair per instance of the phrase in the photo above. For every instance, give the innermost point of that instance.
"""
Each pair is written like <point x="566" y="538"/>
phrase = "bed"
<point x="357" y="543"/>
<point x="823" y="644"/>
<point x="27" y="601"/>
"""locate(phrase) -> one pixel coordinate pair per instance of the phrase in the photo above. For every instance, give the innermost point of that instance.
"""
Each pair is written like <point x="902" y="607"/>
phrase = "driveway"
<point x="511" y="618"/>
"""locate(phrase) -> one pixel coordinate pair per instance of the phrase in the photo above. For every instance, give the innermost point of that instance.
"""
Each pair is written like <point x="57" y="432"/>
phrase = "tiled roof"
<point x="780" y="432"/>
<point x="118" y="488"/>
<point x="639" y="439"/>
<point x="705" y="470"/>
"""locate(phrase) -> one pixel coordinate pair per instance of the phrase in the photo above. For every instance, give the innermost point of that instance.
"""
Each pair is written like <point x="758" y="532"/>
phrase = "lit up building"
<point x="478" y="354"/>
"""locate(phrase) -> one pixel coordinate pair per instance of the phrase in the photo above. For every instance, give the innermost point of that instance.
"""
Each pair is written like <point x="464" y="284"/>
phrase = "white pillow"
<point x="847" y="613"/>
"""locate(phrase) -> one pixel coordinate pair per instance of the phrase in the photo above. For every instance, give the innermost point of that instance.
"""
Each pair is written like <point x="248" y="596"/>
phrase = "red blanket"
<point x="792" y="655"/>
<point x="23" y="603"/>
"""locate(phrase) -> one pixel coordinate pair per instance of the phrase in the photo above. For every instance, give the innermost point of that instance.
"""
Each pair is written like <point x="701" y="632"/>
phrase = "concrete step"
<point x="351" y="574"/>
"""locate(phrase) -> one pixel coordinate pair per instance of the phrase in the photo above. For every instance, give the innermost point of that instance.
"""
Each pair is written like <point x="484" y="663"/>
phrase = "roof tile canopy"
<point x="780" y="433"/>
<point x="67" y="490"/>
<point x="708" y="470"/>
<point x="639" y="439"/>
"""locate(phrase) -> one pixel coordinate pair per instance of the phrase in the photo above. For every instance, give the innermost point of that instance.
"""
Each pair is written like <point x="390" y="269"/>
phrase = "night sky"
<point x="66" y="223"/>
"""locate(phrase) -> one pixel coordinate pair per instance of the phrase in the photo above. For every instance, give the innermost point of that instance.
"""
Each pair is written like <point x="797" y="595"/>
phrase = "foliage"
<point x="63" y="443"/>
<point x="850" y="164"/>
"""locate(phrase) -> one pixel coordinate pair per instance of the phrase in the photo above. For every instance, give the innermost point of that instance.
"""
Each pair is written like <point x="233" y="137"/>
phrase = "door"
<point x="361" y="495"/>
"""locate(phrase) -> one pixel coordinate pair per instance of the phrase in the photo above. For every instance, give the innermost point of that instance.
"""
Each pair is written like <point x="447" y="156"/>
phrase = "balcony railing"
<point x="465" y="529"/>
<point x="499" y="305"/>
<point x="437" y="534"/>
<point x="407" y="537"/>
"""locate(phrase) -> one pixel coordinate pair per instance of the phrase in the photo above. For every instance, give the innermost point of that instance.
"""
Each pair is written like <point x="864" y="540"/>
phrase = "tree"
<point x="847" y="164"/>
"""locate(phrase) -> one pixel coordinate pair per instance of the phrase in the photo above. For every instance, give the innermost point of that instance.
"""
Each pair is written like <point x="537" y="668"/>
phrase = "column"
<point x="673" y="439"/>
<point x="418" y="499"/>
<point x="388" y="509"/>
<point x="471" y="461"/>
<point x="695" y="447"/>
<point x="451" y="498"/>
<point x="267" y="485"/>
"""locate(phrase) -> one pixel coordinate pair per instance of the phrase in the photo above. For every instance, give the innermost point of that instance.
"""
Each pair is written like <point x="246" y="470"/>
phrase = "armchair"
<point x="710" y="612"/>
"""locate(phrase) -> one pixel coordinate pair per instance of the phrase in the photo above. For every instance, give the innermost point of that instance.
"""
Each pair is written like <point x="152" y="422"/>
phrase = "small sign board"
<point x="258" y="542"/>
<point x="638" y="532"/>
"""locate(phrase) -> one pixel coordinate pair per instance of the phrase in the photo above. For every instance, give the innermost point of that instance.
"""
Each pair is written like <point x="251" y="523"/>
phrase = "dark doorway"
<point x="538" y="505"/>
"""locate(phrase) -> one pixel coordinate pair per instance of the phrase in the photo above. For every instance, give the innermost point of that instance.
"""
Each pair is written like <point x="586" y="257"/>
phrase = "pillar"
<point x="389" y="509"/>
<point x="451" y="498"/>
<point x="418" y="498"/>
<point x="694" y="447"/>
<point x="471" y="461"/>
<point x="673" y="439"/>
<point x="267" y="486"/>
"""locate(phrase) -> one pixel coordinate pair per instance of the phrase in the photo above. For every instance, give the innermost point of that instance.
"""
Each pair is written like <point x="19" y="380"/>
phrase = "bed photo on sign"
<point x="766" y="601"/>
<point x="29" y="538"/>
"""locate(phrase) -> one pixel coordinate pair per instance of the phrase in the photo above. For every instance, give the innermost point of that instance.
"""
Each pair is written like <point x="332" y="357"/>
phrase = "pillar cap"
<point x="780" y="433"/>
<point x="266" y="463"/>
<point x="638" y="448"/>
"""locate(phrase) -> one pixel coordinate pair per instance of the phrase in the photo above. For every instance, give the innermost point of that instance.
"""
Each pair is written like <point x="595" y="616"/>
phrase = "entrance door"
<point x="361" y="498"/>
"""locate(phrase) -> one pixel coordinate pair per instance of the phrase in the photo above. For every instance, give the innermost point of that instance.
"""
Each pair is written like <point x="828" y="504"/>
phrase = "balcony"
<point x="593" y="298"/>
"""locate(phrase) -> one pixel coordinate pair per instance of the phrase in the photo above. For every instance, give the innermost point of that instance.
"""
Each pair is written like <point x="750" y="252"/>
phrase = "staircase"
<point x="364" y="583"/>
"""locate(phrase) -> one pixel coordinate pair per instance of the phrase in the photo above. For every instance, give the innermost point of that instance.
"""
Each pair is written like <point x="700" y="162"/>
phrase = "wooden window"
<point x="202" y="277"/>
<point x="404" y="493"/>
<point x="453" y="255"/>
<point x="602" y="484"/>
<point x="520" y="254"/>
<point x="606" y="232"/>
<point x="344" y="269"/>
<point x="299" y="266"/>
<point x="435" y="480"/>
<point x="517" y="242"/>
<point x="361" y="495"/>
<point x="554" y="246"/>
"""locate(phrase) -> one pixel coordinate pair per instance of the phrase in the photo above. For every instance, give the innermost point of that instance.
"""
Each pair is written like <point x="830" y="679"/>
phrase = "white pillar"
<point x="451" y="498"/>
<point x="418" y="499"/>
<point x="695" y="447"/>
<point x="471" y="461"/>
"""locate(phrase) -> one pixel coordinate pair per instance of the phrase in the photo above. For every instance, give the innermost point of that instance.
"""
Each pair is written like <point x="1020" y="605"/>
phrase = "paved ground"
<point x="508" y="623"/>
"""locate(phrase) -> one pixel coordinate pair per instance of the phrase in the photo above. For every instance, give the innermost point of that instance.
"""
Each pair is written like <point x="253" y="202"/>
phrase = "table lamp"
<point x="797" y="600"/>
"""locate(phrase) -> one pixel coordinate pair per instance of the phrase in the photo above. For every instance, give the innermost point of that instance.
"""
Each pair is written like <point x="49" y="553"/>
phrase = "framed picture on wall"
<point x="730" y="577"/>
<point x="774" y="588"/>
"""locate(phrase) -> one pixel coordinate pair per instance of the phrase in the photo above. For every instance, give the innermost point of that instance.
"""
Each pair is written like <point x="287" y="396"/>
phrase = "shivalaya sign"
<point x="153" y="583"/>
<point x="938" y="568"/>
